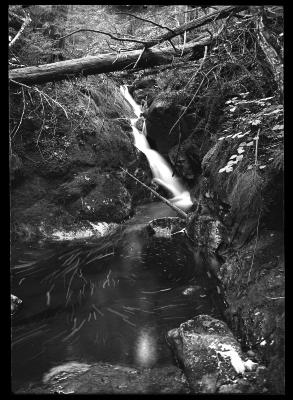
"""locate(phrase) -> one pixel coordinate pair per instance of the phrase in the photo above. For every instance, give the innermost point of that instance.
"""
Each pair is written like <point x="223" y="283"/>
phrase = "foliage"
<point x="246" y="195"/>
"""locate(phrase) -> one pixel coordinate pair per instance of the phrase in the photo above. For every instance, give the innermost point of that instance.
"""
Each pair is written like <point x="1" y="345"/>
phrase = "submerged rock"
<point x="166" y="227"/>
<point x="15" y="302"/>
<point x="75" y="377"/>
<point x="210" y="355"/>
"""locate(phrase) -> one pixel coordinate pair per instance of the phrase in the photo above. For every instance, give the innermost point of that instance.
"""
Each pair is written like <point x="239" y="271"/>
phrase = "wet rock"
<point x="109" y="201"/>
<point x="160" y="117"/>
<point x="15" y="302"/>
<point x="187" y="159"/>
<point x="253" y="279"/>
<point x="105" y="378"/>
<point x="206" y="231"/>
<point x="166" y="227"/>
<point x="209" y="354"/>
<point x="81" y="183"/>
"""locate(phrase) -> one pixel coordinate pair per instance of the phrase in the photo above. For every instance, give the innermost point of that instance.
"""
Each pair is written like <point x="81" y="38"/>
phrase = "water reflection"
<point x="112" y="301"/>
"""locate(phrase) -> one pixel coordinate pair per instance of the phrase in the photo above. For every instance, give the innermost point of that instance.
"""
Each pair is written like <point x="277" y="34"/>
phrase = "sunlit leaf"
<point x="278" y="127"/>
<point x="234" y="156"/>
<point x="249" y="144"/>
<point x="240" y="150"/>
<point x="222" y="170"/>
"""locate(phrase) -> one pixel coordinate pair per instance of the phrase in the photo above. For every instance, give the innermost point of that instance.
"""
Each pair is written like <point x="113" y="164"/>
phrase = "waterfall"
<point x="161" y="169"/>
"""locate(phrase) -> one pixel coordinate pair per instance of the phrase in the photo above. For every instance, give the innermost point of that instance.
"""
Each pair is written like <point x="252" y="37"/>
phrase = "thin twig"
<point x="26" y="22"/>
<point x="176" y="51"/>
<point x="178" y="210"/>
<point x="256" y="147"/>
<point x="254" y="249"/>
<point x="143" y="50"/>
<point x="41" y="93"/>
<point x="122" y="39"/>
<point x="148" y="20"/>
<point x="193" y="97"/>
<point x="21" y="114"/>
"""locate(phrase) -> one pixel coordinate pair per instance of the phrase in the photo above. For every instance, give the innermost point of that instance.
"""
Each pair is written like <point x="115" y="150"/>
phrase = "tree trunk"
<point x="100" y="64"/>
<point x="274" y="60"/>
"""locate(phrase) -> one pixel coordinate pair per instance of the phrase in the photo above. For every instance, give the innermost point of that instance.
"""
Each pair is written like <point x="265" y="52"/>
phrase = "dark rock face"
<point x="253" y="278"/>
<point x="160" y="117"/>
<point x="108" y="201"/>
<point x="187" y="159"/>
<point x="105" y="378"/>
<point x="211" y="357"/>
<point x="71" y="172"/>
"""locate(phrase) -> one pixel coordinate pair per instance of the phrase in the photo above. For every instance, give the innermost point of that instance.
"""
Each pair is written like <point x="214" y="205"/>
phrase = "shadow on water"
<point x="112" y="299"/>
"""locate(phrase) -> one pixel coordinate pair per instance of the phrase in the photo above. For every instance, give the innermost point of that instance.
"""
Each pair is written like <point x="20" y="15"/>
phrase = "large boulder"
<point x="211" y="357"/>
<point x="109" y="201"/>
<point x="160" y="118"/>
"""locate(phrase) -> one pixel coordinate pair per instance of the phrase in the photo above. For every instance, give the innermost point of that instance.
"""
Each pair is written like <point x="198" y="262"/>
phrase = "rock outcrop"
<point x="212" y="358"/>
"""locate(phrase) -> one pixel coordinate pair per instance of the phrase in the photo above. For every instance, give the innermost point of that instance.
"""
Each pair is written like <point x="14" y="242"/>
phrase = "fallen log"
<point x="181" y="213"/>
<point x="197" y="23"/>
<point x="102" y="64"/>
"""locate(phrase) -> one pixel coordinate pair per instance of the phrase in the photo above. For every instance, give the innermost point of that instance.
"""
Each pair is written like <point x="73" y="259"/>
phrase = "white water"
<point x="161" y="170"/>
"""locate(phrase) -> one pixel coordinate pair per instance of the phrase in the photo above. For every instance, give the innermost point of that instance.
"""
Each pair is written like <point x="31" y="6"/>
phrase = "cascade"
<point x="161" y="169"/>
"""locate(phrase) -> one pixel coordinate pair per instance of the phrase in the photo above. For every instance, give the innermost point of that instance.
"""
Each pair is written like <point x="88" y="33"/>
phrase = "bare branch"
<point x="26" y="22"/>
<point x="143" y="50"/>
<point x="166" y="201"/>
<point x="148" y="20"/>
<point x="122" y="39"/>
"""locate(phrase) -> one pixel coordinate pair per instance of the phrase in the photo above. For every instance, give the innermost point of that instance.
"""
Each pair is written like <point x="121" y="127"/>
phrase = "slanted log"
<point x="101" y="64"/>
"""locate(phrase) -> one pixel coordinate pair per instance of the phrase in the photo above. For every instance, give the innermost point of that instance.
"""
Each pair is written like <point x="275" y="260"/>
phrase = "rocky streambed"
<point x="137" y="311"/>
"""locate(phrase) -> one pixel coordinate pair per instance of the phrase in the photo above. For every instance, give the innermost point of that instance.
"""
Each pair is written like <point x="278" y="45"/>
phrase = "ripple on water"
<point x="109" y="301"/>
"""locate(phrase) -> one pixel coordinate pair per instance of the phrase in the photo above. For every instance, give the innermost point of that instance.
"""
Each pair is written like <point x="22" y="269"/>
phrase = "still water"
<point x="110" y="299"/>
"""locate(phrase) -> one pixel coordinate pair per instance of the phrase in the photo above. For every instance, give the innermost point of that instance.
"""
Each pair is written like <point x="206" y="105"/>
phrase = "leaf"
<point x="262" y="166"/>
<point x="250" y="167"/>
<point x="222" y="138"/>
<point x="278" y="127"/>
<point x="256" y="122"/>
<point x="222" y="170"/>
<point x="239" y="158"/>
<point x="249" y="144"/>
<point x="234" y="156"/>
<point x="228" y="136"/>
<point x="229" y="169"/>
<point x="278" y="110"/>
<point x="242" y="144"/>
<point x="232" y="109"/>
<point x="240" y="150"/>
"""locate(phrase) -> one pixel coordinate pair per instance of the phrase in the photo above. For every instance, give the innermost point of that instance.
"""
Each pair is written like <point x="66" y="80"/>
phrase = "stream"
<point x="111" y="299"/>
